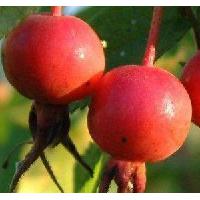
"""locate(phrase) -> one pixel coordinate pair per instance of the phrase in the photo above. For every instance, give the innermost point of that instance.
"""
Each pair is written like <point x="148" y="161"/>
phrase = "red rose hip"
<point x="139" y="113"/>
<point x="53" y="59"/>
<point x="191" y="80"/>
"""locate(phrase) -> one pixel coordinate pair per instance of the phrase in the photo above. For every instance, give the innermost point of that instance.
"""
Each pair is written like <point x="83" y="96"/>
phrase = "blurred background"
<point x="179" y="173"/>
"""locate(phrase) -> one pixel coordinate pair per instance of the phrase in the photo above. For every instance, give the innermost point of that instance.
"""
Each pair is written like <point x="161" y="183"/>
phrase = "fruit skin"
<point x="53" y="59"/>
<point x="139" y="113"/>
<point x="191" y="80"/>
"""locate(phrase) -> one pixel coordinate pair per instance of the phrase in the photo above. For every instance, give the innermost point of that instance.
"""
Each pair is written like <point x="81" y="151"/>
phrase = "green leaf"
<point x="79" y="104"/>
<point x="83" y="182"/>
<point x="12" y="132"/>
<point x="12" y="15"/>
<point x="125" y="29"/>
<point x="196" y="10"/>
<point x="173" y="29"/>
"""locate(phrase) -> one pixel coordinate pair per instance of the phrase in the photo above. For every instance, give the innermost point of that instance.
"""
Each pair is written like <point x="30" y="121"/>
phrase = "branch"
<point x="56" y="10"/>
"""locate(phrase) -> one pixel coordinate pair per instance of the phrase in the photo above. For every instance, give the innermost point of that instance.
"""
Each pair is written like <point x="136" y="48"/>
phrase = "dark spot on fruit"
<point x="124" y="140"/>
<point x="87" y="83"/>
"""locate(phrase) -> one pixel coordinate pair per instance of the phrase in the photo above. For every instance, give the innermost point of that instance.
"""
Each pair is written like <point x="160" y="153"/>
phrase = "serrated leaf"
<point x="83" y="182"/>
<point x="125" y="29"/>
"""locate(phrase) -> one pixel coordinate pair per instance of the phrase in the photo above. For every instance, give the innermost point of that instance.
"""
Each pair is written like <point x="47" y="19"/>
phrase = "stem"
<point x="188" y="13"/>
<point x="56" y="10"/>
<point x="129" y="176"/>
<point x="149" y="55"/>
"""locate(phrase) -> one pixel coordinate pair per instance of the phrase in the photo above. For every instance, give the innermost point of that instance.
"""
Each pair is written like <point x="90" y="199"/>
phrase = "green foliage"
<point x="83" y="182"/>
<point x="81" y="104"/>
<point x="125" y="29"/>
<point x="12" y="132"/>
<point x="12" y="15"/>
<point x="197" y="12"/>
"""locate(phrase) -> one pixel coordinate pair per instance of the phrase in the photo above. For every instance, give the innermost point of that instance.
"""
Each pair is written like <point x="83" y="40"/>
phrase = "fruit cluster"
<point x="136" y="112"/>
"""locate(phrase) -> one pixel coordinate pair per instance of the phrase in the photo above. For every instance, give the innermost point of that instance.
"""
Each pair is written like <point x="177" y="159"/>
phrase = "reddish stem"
<point x="149" y="55"/>
<point x="56" y="10"/>
<point x="129" y="176"/>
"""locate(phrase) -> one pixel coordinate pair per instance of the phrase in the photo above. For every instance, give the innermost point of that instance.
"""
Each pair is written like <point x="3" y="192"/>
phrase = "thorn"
<point x="50" y="172"/>
<point x="24" y="165"/>
<point x="69" y="145"/>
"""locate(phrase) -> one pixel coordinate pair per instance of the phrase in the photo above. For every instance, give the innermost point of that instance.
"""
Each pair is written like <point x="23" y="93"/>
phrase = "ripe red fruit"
<point x="139" y="113"/>
<point x="191" y="79"/>
<point x="53" y="59"/>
